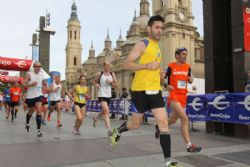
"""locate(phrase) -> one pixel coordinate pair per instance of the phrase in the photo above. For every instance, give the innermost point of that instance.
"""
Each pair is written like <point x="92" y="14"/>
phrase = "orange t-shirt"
<point x="15" y="94"/>
<point x="177" y="76"/>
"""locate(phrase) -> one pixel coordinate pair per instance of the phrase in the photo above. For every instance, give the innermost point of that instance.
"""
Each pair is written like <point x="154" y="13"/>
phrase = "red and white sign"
<point x="15" y="64"/>
<point x="4" y="73"/>
<point x="6" y="78"/>
<point x="246" y="20"/>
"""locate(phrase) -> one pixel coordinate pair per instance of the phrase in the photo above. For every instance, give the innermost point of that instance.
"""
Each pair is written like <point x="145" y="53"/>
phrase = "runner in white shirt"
<point x="55" y="99"/>
<point x="104" y="81"/>
<point x="45" y="91"/>
<point x="33" y="82"/>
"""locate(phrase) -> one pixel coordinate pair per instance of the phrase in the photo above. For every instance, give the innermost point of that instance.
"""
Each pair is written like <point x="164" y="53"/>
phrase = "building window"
<point x="183" y="35"/>
<point x="75" y="34"/>
<point x="180" y="2"/>
<point x="74" y="61"/>
<point x="199" y="55"/>
<point x="70" y="34"/>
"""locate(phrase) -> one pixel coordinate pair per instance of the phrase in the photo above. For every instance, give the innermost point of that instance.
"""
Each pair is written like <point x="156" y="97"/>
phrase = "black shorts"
<point x="53" y="103"/>
<point x="144" y="102"/>
<point x="81" y="105"/>
<point x="44" y="103"/>
<point x="32" y="102"/>
<point x="106" y="99"/>
<point x="14" y="103"/>
<point x="8" y="103"/>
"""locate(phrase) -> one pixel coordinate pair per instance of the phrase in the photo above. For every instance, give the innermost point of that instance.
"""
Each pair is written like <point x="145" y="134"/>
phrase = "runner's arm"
<point x="114" y="83"/>
<point x="190" y="76"/>
<point x="69" y="94"/>
<point x="26" y="80"/>
<point x="136" y="52"/>
<point x="96" y="79"/>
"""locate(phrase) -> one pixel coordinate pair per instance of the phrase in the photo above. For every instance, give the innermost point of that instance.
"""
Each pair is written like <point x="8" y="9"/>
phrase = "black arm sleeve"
<point x="189" y="72"/>
<point x="168" y="74"/>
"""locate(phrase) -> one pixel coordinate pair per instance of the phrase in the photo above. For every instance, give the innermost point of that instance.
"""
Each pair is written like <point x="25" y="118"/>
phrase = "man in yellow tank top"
<point x="146" y="88"/>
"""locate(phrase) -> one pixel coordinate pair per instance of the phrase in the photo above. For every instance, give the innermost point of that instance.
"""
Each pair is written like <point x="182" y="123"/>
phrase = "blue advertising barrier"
<point x="233" y="107"/>
<point x="117" y="106"/>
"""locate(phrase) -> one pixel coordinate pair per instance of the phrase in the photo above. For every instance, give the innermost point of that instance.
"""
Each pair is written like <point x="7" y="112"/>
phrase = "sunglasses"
<point x="37" y="66"/>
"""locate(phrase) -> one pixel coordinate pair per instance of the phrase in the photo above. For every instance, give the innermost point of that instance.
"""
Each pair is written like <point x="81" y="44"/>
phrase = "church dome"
<point x="143" y="21"/>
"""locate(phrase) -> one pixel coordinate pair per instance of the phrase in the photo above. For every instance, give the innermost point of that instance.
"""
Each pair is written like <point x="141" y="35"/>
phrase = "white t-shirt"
<point x="105" y="88"/>
<point x="56" y="96"/>
<point x="35" y="91"/>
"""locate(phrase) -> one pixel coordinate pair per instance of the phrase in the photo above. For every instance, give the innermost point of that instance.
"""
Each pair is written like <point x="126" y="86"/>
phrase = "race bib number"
<point x="16" y="93"/>
<point x="38" y="88"/>
<point x="152" y="92"/>
<point x="182" y="84"/>
<point x="81" y="97"/>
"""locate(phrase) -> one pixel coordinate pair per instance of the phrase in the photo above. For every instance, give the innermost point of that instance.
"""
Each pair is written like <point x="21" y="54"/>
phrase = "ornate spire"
<point x="74" y="11"/>
<point x="91" y="44"/>
<point x="107" y="42"/>
<point x="119" y="41"/>
<point x="120" y="36"/>
<point x="107" y="38"/>
<point x="134" y="16"/>
<point x="91" y="51"/>
<point x="144" y="7"/>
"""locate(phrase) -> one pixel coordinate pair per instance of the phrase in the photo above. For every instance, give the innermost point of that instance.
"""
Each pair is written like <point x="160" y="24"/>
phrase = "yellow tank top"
<point x="148" y="79"/>
<point x="80" y="94"/>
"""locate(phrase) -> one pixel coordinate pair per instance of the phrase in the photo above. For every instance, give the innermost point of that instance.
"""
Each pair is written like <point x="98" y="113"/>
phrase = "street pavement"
<point x="137" y="148"/>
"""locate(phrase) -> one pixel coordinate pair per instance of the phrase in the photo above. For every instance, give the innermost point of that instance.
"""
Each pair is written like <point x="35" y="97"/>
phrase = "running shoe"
<point x="43" y="122"/>
<point x="193" y="149"/>
<point x="59" y="124"/>
<point x="27" y="127"/>
<point x="94" y="121"/>
<point x="78" y="132"/>
<point x="74" y="130"/>
<point x="114" y="138"/>
<point x="39" y="134"/>
<point x="172" y="164"/>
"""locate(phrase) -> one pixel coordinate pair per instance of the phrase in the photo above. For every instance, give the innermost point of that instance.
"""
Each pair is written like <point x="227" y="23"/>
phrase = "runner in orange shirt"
<point x="178" y="75"/>
<point x="15" y="96"/>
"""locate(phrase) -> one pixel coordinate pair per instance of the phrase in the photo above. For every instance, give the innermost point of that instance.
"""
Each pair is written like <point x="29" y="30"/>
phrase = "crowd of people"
<point x="146" y="94"/>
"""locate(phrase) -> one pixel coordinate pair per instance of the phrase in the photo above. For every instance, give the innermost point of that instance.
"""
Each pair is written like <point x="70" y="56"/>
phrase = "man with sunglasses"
<point x="178" y="75"/>
<point x="33" y="82"/>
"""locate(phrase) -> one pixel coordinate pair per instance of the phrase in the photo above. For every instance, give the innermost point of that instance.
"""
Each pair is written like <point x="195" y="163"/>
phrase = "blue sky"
<point x="20" y="18"/>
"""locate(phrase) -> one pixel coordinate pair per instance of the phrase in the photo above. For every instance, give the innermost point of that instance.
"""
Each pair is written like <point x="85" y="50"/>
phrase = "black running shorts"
<point x="145" y="102"/>
<point x="81" y="105"/>
<point x="106" y="99"/>
<point x="32" y="102"/>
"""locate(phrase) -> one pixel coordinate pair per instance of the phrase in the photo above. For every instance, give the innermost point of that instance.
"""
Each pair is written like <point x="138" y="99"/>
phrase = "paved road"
<point x="59" y="147"/>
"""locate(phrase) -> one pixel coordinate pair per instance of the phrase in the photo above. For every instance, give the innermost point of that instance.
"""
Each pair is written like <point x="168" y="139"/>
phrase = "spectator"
<point x="194" y="90"/>
<point x="124" y="96"/>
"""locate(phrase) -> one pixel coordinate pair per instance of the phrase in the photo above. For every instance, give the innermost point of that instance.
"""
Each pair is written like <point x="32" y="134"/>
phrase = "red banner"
<point x="15" y="64"/>
<point x="4" y="72"/>
<point x="246" y="20"/>
<point x="6" y="78"/>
